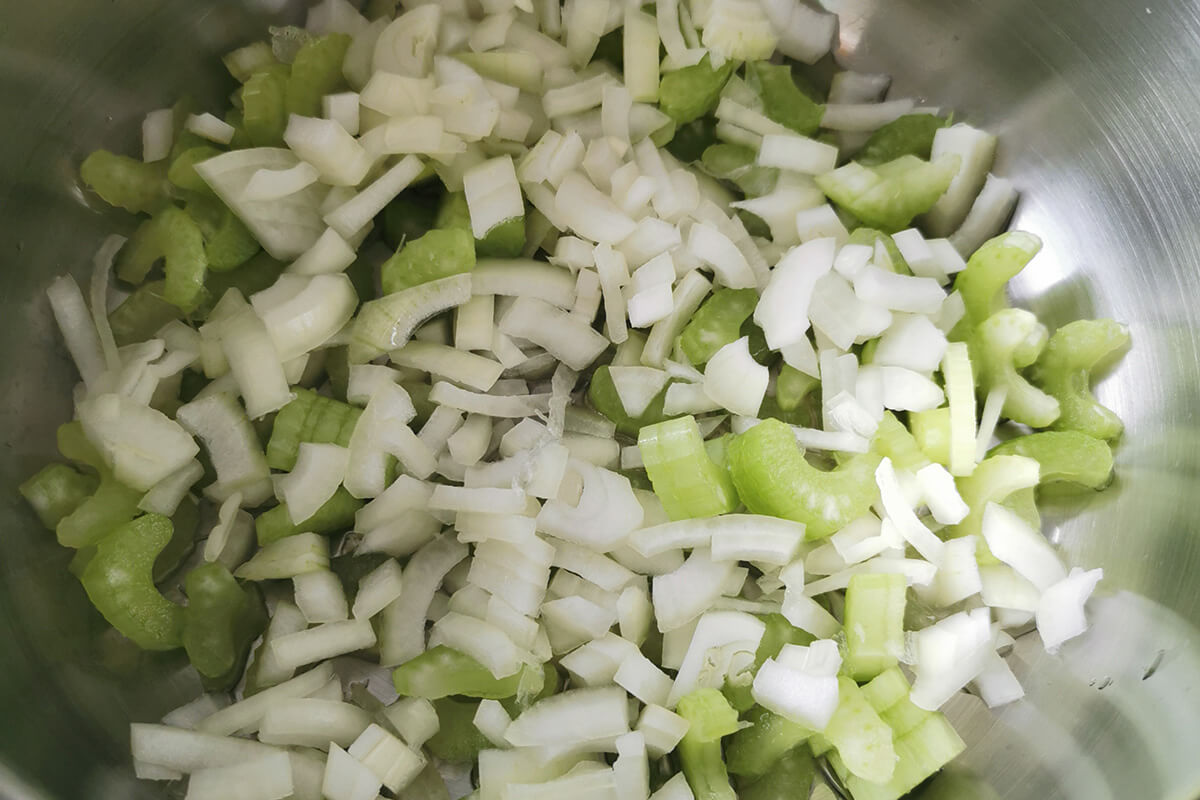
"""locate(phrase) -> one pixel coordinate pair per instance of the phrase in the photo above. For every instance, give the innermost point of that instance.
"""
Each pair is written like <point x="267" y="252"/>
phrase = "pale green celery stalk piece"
<point x="442" y="672"/>
<point x="55" y="491"/>
<point x="1065" y="369"/>
<point x="889" y="196"/>
<point x="126" y="183"/>
<point x="685" y="479"/>
<point x="988" y="271"/>
<point x="717" y="323"/>
<point x="863" y="741"/>
<point x="791" y="777"/>
<point x="874" y="624"/>
<point x="439" y="253"/>
<point x="753" y="751"/>
<point x="895" y="441"/>
<point x="1005" y="342"/>
<point x="690" y="93"/>
<point x="1068" y="456"/>
<point x="910" y="135"/>
<point x="792" y="386"/>
<point x="994" y="480"/>
<point x="919" y="753"/>
<point x="710" y="717"/>
<point x="931" y="431"/>
<point x="772" y="477"/>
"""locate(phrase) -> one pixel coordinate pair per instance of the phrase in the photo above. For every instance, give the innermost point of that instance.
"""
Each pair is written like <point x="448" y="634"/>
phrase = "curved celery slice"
<point x="685" y="479"/>
<point x="755" y="750"/>
<point x="55" y="491"/>
<point x="221" y="620"/>
<point x="784" y="101"/>
<point x="316" y="72"/>
<point x="931" y="431"/>
<point x="895" y="441"/>
<point x="336" y="514"/>
<point x="441" y="672"/>
<point x="505" y="239"/>
<point x="863" y="741"/>
<point x="602" y="394"/>
<point x="772" y="477"/>
<point x="737" y="163"/>
<point x="717" y="323"/>
<point x="264" y="106"/>
<point x="889" y="196"/>
<point x="182" y="172"/>
<point x="690" y="93"/>
<point x="869" y="236"/>
<point x="124" y="182"/>
<point x="874" y="624"/>
<point x="910" y="135"/>
<point x="387" y="324"/>
<point x="439" y="253"/>
<point x="994" y="480"/>
<point x="791" y="776"/>
<point x="919" y="753"/>
<point x="1006" y="341"/>
<point x="457" y="740"/>
<point x="228" y="243"/>
<point x="175" y="237"/>
<point x="988" y="270"/>
<point x="310" y="417"/>
<point x="1064" y="456"/>
<point x="119" y="581"/>
<point x="792" y="386"/>
<point x="112" y="504"/>
<point x="1065" y="368"/>
<point x="142" y="314"/>
<point x="710" y="717"/>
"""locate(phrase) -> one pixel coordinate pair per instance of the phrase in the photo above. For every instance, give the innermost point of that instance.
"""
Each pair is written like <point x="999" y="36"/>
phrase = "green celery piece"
<point x="220" y="622"/>
<point x="1064" y="456"/>
<point x="910" y="135"/>
<point x="874" y="624"/>
<point x="994" y="479"/>
<point x="988" y="270"/>
<point x="772" y="477"/>
<point x="124" y="182"/>
<point x="863" y="741"/>
<point x="258" y="273"/>
<point x="1065" y="369"/>
<point x="691" y="140"/>
<point x="894" y="441"/>
<point x="74" y="445"/>
<point x="790" y="777"/>
<point x="441" y="672"/>
<point x="692" y="92"/>
<point x="1005" y="342"/>
<point x="919" y="754"/>
<point x="119" y="581"/>
<point x="889" y="196"/>
<point x="437" y="254"/>
<point x="316" y="72"/>
<point x="182" y="172"/>
<point x="782" y="100"/>
<point x="717" y="323"/>
<point x="792" y="386"/>
<point x="411" y="215"/>
<point x="309" y="417"/>
<point x="886" y="689"/>
<point x="184" y="522"/>
<point x="931" y="430"/>
<point x="869" y="236"/>
<point x="453" y="212"/>
<point x="505" y="240"/>
<point x="778" y="632"/>
<point x="228" y="243"/>
<point x="737" y="164"/>
<point x="710" y="717"/>
<point x="904" y="716"/>
<point x="55" y="491"/>
<point x="110" y="506"/>
<point x="604" y="398"/>
<point x="264" y="106"/>
<point x="142" y="314"/>
<point x="351" y="568"/>
<point x="685" y="479"/>
<point x="1023" y="503"/>
<point x="240" y="140"/>
<point x="754" y="751"/>
<point x="335" y="514"/>
<point x="175" y="237"/>
<point x="457" y="741"/>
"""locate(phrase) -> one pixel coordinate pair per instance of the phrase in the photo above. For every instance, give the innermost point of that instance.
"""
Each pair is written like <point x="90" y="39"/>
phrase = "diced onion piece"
<point x="345" y="777"/>
<point x="493" y="194"/>
<point x="158" y="131"/>
<point x="327" y="146"/>
<point x="716" y="250"/>
<point x="797" y="153"/>
<point x="1060" y="614"/>
<point x="575" y="716"/>
<point x="977" y="150"/>
<point x="568" y="338"/>
<point x="988" y="215"/>
<point x="960" y="391"/>
<point x="329" y="254"/>
<point x="801" y="684"/>
<point x="684" y="594"/>
<point x="210" y="127"/>
<point x="804" y="33"/>
<point x="941" y="494"/>
<point x="782" y="311"/>
<point x="901" y="513"/>
<point x="407" y="45"/>
<point x="355" y="213"/>
<point x="723" y="642"/>
<point x="1021" y="547"/>
<point x="950" y="654"/>
<point x="734" y="380"/>
<point x="302" y="313"/>
<point x="141" y="444"/>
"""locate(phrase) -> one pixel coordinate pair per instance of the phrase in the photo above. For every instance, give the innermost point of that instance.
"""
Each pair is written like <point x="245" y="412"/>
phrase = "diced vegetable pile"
<point x="587" y="395"/>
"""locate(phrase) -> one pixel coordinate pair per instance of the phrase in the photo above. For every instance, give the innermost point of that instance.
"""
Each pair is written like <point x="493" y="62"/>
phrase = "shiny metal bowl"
<point x="1097" y="106"/>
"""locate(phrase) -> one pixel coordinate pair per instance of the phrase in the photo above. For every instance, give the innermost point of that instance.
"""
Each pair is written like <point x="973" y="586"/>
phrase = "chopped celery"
<point x="919" y="753"/>
<point x="777" y="633"/>
<point x="791" y="776"/>
<point x="310" y="417"/>
<point x="55" y="491"/>
<point x="784" y="101"/>
<point x="792" y="386"/>
<point x="910" y="135"/>
<point x="245" y="61"/>
<point x="1002" y="344"/>
<point x="220" y="622"/>
<point x="335" y="514"/>
<point x="316" y="72"/>
<point x="182" y="172"/>
<point x="869" y="236"/>
<point x="889" y="196"/>
<point x="692" y="92"/>
<point x="228" y="243"/>
<point x="119" y="581"/>
<point x="176" y="238"/>
<point x="264" y="109"/>
<point x="895" y="441"/>
<point x="685" y="479"/>
<point x="109" y="507"/>
<point x="142" y="314"/>
<point x="717" y="323"/>
<point x="993" y="480"/>
<point x="1068" y="456"/>
<point x="441" y="672"/>
<point x="124" y="182"/>
<point x="604" y="398"/>
<point x="457" y="740"/>
<point x="874" y="624"/>
<point x="453" y="212"/>
<point x="74" y="445"/>
<point x="931" y="430"/>
<point x="185" y="521"/>
<point x="736" y="163"/>
<point x="505" y="240"/>
<point x="863" y="741"/>
<point x="988" y="270"/>
<point x="772" y="477"/>
<point x="439" y="253"/>
<point x="755" y="750"/>
<point x="1065" y="368"/>
<point x="710" y="717"/>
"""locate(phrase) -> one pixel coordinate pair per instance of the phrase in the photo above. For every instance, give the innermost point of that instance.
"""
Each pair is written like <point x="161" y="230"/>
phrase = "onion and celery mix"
<point x="576" y="393"/>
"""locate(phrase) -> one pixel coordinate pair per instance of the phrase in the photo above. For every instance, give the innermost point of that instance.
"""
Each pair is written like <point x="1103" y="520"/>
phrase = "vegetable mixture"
<point x="596" y="397"/>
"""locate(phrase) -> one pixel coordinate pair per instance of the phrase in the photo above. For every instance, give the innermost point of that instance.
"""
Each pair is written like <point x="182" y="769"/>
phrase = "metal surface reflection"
<point x="1097" y="108"/>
